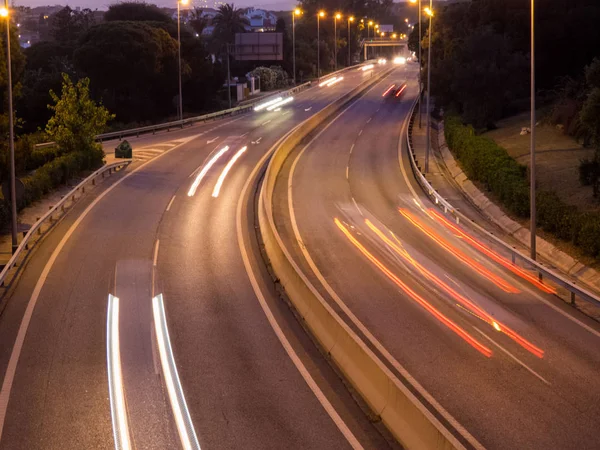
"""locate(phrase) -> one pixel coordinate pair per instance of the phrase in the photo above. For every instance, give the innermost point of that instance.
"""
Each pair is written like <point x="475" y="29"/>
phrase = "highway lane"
<point x="434" y="311"/>
<point x="59" y="397"/>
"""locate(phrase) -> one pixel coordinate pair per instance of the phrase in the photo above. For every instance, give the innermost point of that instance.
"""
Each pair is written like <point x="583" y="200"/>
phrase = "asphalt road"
<point x="512" y="364"/>
<point x="241" y="386"/>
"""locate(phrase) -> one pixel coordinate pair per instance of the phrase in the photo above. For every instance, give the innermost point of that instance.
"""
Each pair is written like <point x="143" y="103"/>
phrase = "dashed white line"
<point x="370" y="118"/>
<point x="155" y="259"/>
<point x="351" y="148"/>
<point x="347" y="172"/>
<point x="264" y="123"/>
<point x="170" y="203"/>
<point x="360" y="132"/>
<point x="517" y="360"/>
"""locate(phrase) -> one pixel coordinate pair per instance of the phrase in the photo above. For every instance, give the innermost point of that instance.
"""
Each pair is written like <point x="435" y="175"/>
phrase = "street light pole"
<point x="429" y="12"/>
<point x="4" y="12"/>
<point x="350" y="19"/>
<point x="532" y="205"/>
<point x="179" y="3"/>
<point x="420" y="66"/>
<point x="321" y="14"/>
<point x="335" y="19"/>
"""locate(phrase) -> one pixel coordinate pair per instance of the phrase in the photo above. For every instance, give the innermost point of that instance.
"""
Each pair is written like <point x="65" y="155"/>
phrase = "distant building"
<point x="260" y="20"/>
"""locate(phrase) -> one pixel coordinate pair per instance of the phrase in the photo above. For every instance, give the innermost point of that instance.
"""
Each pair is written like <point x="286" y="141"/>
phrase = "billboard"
<point x="386" y="28"/>
<point x="258" y="47"/>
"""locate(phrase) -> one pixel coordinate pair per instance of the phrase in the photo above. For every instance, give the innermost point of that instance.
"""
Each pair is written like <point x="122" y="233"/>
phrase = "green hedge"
<point x="486" y="162"/>
<point x="59" y="171"/>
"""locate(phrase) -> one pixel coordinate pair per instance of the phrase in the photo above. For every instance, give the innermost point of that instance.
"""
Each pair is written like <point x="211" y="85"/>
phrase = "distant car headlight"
<point x="399" y="60"/>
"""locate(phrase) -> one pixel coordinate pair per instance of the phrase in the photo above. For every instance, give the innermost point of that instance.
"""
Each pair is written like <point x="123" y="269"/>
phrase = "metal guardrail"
<point x="543" y="272"/>
<point x="189" y="121"/>
<point x="50" y="216"/>
<point x="203" y="118"/>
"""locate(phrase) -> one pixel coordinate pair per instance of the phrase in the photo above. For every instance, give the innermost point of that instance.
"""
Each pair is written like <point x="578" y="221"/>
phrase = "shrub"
<point x="485" y="161"/>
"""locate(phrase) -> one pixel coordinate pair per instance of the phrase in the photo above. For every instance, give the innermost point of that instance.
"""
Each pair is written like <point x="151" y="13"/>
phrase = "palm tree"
<point x="228" y="21"/>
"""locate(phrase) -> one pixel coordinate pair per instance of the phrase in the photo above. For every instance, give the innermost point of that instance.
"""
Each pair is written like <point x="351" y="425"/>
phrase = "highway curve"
<point x="140" y="234"/>
<point x="504" y="359"/>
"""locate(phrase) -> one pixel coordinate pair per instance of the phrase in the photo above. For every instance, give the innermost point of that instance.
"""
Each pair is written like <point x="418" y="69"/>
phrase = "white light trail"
<point x="116" y="392"/>
<point x="337" y="80"/>
<point x="268" y="103"/>
<point x="226" y="170"/>
<point x="368" y="67"/>
<point x="323" y="83"/>
<point x="204" y="171"/>
<point x="281" y="103"/>
<point x="187" y="435"/>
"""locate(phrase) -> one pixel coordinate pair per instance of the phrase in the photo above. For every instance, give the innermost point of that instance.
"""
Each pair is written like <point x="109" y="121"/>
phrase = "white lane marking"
<point x="212" y="140"/>
<point x="347" y="172"/>
<point x="116" y="392"/>
<point x="226" y="170"/>
<point x="517" y="360"/>
<point x="155" y="259"/>
<point x="170" y="203"/>
<point x="264" y="123"/>
<point x="257" y="141"/>
<point x="421" y="205"/>
<point x="351" y="148"/>
<point x="243" y="135"/>
<point x="307" y="109"/>
<point x="11" y="369"/>
<point x="327" y="406"/>
<point x="183" y="420"/>
<point x="357" y="207"/>
<point x="336" y="298"/>
<point x="205" y="170"/>
<point x="370" y="118"/>
<point x="360" y="132"/>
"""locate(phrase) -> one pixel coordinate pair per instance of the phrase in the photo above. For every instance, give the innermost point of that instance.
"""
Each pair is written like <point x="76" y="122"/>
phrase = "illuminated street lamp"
<point x="4" y="13"/>
<point x="297" y="12"/>
<point x="369" y="28"/>
<point x="394" y="36"/>
<point x="321" y="14"/>
<point x="350" y="19"/>
<point x="335" y="19"/>
<point x="429" y="12"/>
<point x="179" y="3"/>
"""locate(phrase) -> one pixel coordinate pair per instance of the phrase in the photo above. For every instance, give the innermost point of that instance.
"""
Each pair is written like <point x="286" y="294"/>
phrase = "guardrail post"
<point x="83" y="189"/>
<point x="512" y="257"/>
<point x="93" y="182"/>
<point x="572" y="298"/>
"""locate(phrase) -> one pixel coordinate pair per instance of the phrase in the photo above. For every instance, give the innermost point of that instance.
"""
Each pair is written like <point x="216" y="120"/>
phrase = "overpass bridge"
<point x="384" y="42"/>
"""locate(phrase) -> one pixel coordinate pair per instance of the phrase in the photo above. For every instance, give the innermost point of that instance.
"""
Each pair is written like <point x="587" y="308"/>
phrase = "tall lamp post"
<point x="335" y="19"/>
<point x="420" y="63"/>
<point x="429" y="12"/>
<point x="321" y="14"/>
<point x="532" y="140"/>
<point x="297" y="12"/>
<point x="179" y="3"/>
<point x="4" y="12"/>
<point x="350" y="19"/>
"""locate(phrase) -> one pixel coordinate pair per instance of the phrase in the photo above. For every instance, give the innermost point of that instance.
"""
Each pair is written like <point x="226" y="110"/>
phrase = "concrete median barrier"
<point x="411" y="423"/>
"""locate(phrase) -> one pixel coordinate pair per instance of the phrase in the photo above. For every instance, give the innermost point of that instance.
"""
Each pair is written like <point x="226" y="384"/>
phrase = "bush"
<point x="485" y="161"/>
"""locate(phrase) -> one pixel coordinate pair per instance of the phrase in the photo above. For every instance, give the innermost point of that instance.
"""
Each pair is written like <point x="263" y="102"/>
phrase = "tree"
<point x="197" y="22"/>
<point x="589" y="169"/>
<point x="67" y="24"/>
<point x="134" y="68"/>
<point x="136" y="12"/>
<point x="228" y="21"/>
<point x="77" y="120"/>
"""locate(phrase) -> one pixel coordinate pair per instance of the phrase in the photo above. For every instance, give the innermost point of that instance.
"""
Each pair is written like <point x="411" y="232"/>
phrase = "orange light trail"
<point x="493" y="255"/>
<point x="400" y="91"/>
<point x="507" y="287"/>
<point x="388" y="90"/>
<point x="412" y="294"/>
<point x="472" y="307"/>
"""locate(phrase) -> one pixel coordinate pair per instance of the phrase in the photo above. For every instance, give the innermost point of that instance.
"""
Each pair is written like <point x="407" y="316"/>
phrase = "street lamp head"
<point x="406" y="20"/>
<point x="413" y="1"/>
<point x="428" y="11"/>
<point x="297" y="11"/>
<point x="370" y="22"/>
<point x="3" y="12"/>
<point x="394" y="35"/>
<point x="382" y="34"/>
<point x="351" y="19"/>
<point x="338" y="16"/>
<point x="321" y="13"/>
<point x="376" y="25"/>
<point x="184" y="2"/>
